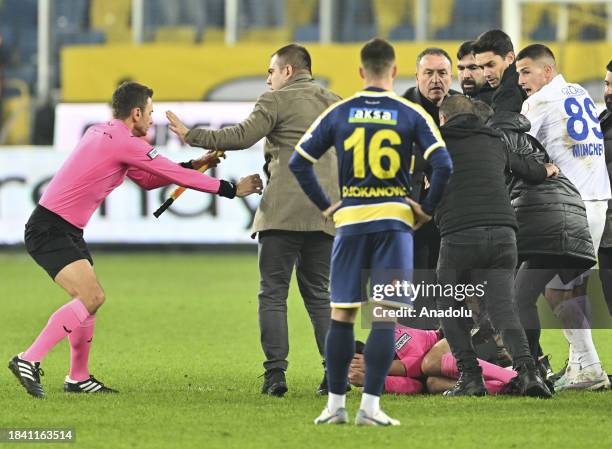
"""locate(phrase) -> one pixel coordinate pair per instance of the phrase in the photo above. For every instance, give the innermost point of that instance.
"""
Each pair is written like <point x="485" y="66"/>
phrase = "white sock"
<point x="370" y="404"/>
<point x="583" y="350"/>
<point x="577" y="332"/>
<point x="335" y="401"/>
<point x="572" y="359"/>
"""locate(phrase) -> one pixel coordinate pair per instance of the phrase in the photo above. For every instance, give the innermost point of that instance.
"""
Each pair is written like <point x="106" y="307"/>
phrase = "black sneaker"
<point x="323" y="389"/>
<point x="274" y="383"/>
<point x="91" y="385"/>
<point x="469" y="384"/>
<point x="530" y="383"/>
<point x="28" y="374"/>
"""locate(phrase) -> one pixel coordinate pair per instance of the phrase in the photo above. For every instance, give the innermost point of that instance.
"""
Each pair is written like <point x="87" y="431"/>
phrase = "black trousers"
<point x="482" y="256"/>
<point x="531" y="279"/>
<point x="279" y="252"/>
<point x="605" y="274"/>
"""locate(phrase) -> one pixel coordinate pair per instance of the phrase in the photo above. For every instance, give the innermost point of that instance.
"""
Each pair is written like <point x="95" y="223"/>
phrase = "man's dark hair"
<point x="494" y="40"/>
<point x="467" y="48"/>
<point x="535" y="51"/>
<point x="433" y="51"/>
<point x="482" y="110"/>
<point x="128" y="96"/>
<point x="609" y="66"/>
<point x="454" y="105"/>
<point x="377" y="56"/>
<point x="296" y="56"/>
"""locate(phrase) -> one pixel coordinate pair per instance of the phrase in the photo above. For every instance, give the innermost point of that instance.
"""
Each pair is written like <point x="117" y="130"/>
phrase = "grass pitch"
<point x="179" y="338"/>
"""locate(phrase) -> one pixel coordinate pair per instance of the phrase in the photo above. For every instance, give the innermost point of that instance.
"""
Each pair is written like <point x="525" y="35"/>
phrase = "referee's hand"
<point x="210" y="159"/>
<point x="420" y="217"/>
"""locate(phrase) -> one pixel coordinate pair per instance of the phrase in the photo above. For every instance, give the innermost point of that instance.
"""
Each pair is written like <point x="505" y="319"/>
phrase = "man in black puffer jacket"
<point x="605" y="248"/>
<point x="553" y="235"/>
<point x="477" y="225"/>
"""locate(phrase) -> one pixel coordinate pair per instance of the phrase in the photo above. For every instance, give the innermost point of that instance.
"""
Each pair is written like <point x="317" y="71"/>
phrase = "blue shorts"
<point x="380" y="257"/>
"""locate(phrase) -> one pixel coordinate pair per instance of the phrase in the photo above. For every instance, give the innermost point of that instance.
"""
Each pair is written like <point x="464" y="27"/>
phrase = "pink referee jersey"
<point x="105" y="155"/>
<point x="411" y="346"/>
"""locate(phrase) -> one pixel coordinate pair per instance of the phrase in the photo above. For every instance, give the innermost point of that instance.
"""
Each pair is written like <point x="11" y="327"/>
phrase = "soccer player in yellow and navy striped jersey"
<point x="373" y="132"/>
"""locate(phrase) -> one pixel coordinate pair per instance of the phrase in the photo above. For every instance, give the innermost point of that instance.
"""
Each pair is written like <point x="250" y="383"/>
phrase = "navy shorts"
<point x="381" y="258"/>
<point x="53" y="242"/>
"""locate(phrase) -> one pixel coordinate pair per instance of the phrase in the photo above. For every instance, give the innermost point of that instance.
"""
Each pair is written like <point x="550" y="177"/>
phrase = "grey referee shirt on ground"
<point x="291" y="229"/>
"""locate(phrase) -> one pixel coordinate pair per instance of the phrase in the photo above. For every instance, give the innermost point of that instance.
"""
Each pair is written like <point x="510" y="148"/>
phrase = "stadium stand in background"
<point x="26" y="118"/>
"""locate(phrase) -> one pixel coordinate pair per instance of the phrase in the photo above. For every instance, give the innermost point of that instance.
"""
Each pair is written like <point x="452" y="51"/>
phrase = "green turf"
<point x="179" y="337"/>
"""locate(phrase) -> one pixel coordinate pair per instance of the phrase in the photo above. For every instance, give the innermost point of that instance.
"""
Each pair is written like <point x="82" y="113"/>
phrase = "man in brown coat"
<point x="290" y="228"/>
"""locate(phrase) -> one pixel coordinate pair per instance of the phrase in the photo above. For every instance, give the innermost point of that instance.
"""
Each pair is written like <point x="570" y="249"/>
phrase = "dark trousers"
<point x="531" y="279"/>
<point x="487" y="256"/>
<point x="279" y="252"/>
<point x="605" y="274"/>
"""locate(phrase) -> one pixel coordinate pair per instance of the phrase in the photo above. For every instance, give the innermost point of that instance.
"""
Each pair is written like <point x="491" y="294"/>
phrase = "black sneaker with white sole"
<point x="28" y="374"/>
<point x="91" y="385"/>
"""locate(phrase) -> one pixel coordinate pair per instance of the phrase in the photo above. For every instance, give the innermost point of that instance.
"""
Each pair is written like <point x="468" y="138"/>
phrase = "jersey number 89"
<point x="576" y="115"/>
<point x="376" y="152"/>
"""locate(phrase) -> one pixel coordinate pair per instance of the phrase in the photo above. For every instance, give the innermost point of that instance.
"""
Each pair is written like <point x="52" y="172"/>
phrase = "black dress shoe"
<point x="469" y="384"/>
<point x="274" y="382"/>
<point x="530" y="383"/>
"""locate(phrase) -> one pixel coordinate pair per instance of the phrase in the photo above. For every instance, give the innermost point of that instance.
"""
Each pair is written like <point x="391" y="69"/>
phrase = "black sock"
<point x="339" y="351"/>
<point x="379" y="353"/>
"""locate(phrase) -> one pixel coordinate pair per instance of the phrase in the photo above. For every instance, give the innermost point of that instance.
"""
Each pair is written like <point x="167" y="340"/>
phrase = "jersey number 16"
<point x="376" y="151"/>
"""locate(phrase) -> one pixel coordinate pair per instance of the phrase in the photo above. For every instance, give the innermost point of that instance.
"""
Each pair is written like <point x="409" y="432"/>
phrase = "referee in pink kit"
<point x="106" y="154"/>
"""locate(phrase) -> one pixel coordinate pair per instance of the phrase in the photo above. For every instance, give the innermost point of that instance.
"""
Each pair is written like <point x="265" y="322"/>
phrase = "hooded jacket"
<point x="476" y="194"/>
<point x="551" y="216"/>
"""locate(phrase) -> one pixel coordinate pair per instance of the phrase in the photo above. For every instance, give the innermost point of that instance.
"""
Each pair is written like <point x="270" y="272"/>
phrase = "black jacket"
<point x="605" y="119"/>
<point x="420" y="167"/>
<point x="551" y="216"/>
<point x="476" y="194"/>
<point x="484" y="94"/>
<point x="508" y="96"/>
<point x="413" y="94"/>
<point x="427" y="238"/>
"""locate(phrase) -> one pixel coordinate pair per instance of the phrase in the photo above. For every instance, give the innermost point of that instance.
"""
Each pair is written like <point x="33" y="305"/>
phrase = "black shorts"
<point x="53" y="242"/>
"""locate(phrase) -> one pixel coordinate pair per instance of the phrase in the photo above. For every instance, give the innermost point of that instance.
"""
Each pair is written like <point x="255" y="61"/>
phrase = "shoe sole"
<point x="479" y="394"/>
<point x="598" y="385"/>
<point x="15" y="370"/>
<point x="337" y="420"/>
<point x="86" y="392"/>
<point x="278" y="391"/>
<point x="373" y="423"/>
<point x="361" y="420"/>
<point x="536" y="391"/>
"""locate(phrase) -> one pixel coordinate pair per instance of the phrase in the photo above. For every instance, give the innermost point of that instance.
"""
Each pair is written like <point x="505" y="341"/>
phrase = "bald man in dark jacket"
<point x="477" y="225"/>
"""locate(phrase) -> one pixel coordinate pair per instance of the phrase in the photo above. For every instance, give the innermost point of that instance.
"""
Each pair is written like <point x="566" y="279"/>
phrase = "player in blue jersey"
<point x="373" y="133"/>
